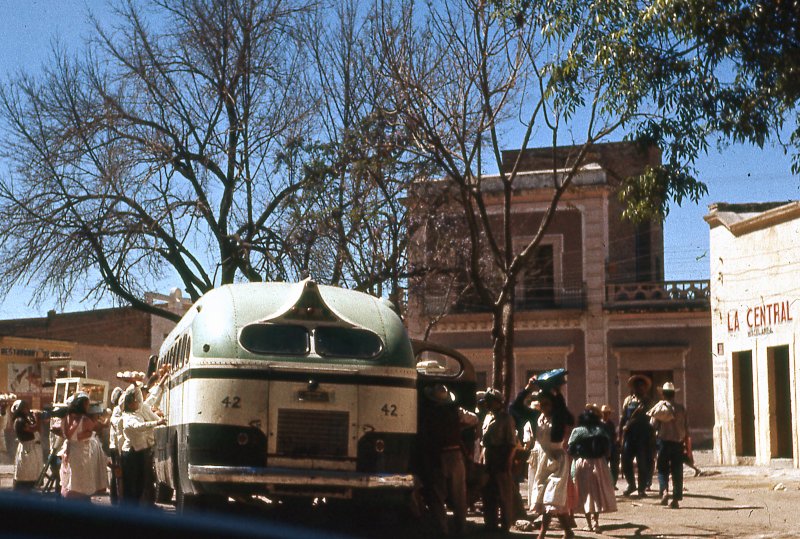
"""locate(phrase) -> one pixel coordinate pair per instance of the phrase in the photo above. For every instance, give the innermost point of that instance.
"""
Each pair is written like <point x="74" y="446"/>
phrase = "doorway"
<point x="744" y="404"/>
<point x="780" y="402"/>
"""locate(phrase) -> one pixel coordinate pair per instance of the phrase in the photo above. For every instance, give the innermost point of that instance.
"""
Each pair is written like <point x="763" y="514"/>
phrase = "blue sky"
<point x="737" y="173"/>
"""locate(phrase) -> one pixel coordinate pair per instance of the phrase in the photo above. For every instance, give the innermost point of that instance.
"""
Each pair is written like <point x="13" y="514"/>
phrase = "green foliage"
<point x="676" y="73"/>
<point x="643" y="195"/>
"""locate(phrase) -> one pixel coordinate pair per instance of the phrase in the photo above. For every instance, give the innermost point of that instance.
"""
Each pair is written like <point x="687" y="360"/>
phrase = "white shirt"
<point x="137" y="430"/>
<point x="154" y="397"/>
<point x="116" y="438"/>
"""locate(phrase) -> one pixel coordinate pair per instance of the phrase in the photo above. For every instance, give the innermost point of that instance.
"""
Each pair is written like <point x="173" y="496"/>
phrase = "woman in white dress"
<point x="97" y="414"/>
<point x="29" y="459"/>
<point x="551" y="483"/>
<point x="529" y="441"/>
<point x="79" y="461"/>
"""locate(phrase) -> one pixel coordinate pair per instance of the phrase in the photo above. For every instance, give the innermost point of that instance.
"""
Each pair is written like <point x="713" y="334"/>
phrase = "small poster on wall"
<point x="24" y="378"/>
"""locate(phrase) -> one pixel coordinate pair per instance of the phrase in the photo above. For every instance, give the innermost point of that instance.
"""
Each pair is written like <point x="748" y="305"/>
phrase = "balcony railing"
<point x="662" y="295"/>
<point x="540" y="300"/>
<point x="658" y="295"/>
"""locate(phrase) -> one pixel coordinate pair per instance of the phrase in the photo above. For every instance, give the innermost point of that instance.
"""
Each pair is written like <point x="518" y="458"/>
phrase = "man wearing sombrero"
<point x="669" y="419"/>
<point x="636" y="435"/>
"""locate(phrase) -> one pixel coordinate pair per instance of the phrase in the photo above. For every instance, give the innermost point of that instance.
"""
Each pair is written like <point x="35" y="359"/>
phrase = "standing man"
<point x="611" y="429"/>
<point x="443" y="455"/>
<point x="636" y="435"/>
<point x="670" y="421"/>
<point x="499" y="443"/>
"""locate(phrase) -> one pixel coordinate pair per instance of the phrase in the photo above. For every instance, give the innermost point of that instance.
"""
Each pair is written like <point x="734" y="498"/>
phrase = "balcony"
<point x="539" y="300"/>
<point x="664" y="295"/>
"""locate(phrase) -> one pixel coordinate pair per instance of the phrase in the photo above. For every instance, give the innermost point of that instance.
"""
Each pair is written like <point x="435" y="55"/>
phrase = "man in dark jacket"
<point x="443" y="455"/>
<point x="636" y="435"/>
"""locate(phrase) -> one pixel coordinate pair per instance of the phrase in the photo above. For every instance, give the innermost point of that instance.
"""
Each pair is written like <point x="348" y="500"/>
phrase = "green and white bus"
<point x="289" y="390"/>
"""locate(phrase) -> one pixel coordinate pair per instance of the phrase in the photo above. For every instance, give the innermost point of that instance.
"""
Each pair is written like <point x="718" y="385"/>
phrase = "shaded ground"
<point x="725" y="502"/>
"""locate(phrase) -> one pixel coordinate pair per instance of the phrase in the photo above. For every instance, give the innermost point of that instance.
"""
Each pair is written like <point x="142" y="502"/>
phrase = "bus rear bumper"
<point x="306" y="478"/>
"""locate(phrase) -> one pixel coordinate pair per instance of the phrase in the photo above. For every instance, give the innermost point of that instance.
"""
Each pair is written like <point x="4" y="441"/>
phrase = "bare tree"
<point x="215" y="141"/>
<point x="358" y="228"/>
<point x="471" y="77"/>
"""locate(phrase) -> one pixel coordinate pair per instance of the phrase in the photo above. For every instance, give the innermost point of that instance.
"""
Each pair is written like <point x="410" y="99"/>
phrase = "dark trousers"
<point x="498" y="493"/>
<point x="449" y="485"/>
<point x="670" y="461"/>
<point x="149" y="480"/>
<point x="637" y="447"/>
<point x="115" y="488"/>
<point x="613" y="462"/>
<point x="133" y="476"/>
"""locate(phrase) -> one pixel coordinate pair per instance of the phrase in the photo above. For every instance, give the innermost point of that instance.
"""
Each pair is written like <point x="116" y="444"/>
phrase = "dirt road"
<point x="723" y="502"/>
<point x="726" y="502"/>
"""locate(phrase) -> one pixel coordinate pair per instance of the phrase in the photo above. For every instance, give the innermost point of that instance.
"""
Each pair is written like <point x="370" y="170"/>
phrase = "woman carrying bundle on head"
<point x="552" y="482"/>
<point x="79" y="469"/>
<point x="29" y="459"/>
<point x="590" y="446"/>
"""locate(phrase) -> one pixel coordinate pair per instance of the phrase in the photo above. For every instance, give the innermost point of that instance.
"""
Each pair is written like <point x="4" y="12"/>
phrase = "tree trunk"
<point x="503" y="345"/>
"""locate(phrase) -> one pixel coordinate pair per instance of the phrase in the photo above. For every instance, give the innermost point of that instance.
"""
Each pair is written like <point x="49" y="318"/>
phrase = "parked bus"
<point x="288" y="390"/>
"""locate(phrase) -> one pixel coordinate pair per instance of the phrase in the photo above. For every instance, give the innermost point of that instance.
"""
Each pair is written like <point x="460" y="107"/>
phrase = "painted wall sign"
<point x="759" y="319"/>
<point x="24" y="378"/>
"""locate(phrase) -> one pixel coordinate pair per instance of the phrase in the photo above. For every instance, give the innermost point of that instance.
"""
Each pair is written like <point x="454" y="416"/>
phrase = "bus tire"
<point x="187" y="502"/>
<point x="163" y="493"/>
<point x="199" y="502"/>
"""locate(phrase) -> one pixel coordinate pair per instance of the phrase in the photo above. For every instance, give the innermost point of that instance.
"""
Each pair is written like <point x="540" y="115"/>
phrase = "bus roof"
<point x="217" y="318"/>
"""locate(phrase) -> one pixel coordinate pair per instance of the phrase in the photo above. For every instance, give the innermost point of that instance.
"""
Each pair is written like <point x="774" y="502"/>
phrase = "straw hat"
<point x="439" y="394"/>
<point x="493" y="395"/>
<point x="594" y="408"/>
<point x="640" y="378"/>
<point x="668" y="387"/>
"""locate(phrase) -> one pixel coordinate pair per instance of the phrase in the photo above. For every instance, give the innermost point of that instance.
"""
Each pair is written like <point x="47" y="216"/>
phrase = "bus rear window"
<point x="347" y="342"/>
<point x="275" y="339"/>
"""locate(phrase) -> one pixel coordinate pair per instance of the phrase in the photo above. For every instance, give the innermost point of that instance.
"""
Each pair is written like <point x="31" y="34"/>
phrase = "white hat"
<point x="16" y="406"/>
<point x="668" y="387"/>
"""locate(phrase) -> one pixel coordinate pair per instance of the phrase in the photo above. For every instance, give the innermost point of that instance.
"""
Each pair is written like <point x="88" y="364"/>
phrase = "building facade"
<point x="107" y="340"/>
<point x="594" y="301"/>
<point x="755" y="261"/>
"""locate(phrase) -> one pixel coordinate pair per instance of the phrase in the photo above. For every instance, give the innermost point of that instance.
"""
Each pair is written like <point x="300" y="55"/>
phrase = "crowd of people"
<point x="466" y="456"/>
<point x="572" y="466"/>
<point x="86" y="441"/>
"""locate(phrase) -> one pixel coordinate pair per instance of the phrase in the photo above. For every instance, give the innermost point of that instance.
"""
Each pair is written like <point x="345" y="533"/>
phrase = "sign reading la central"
<point x="759" y="319"/>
